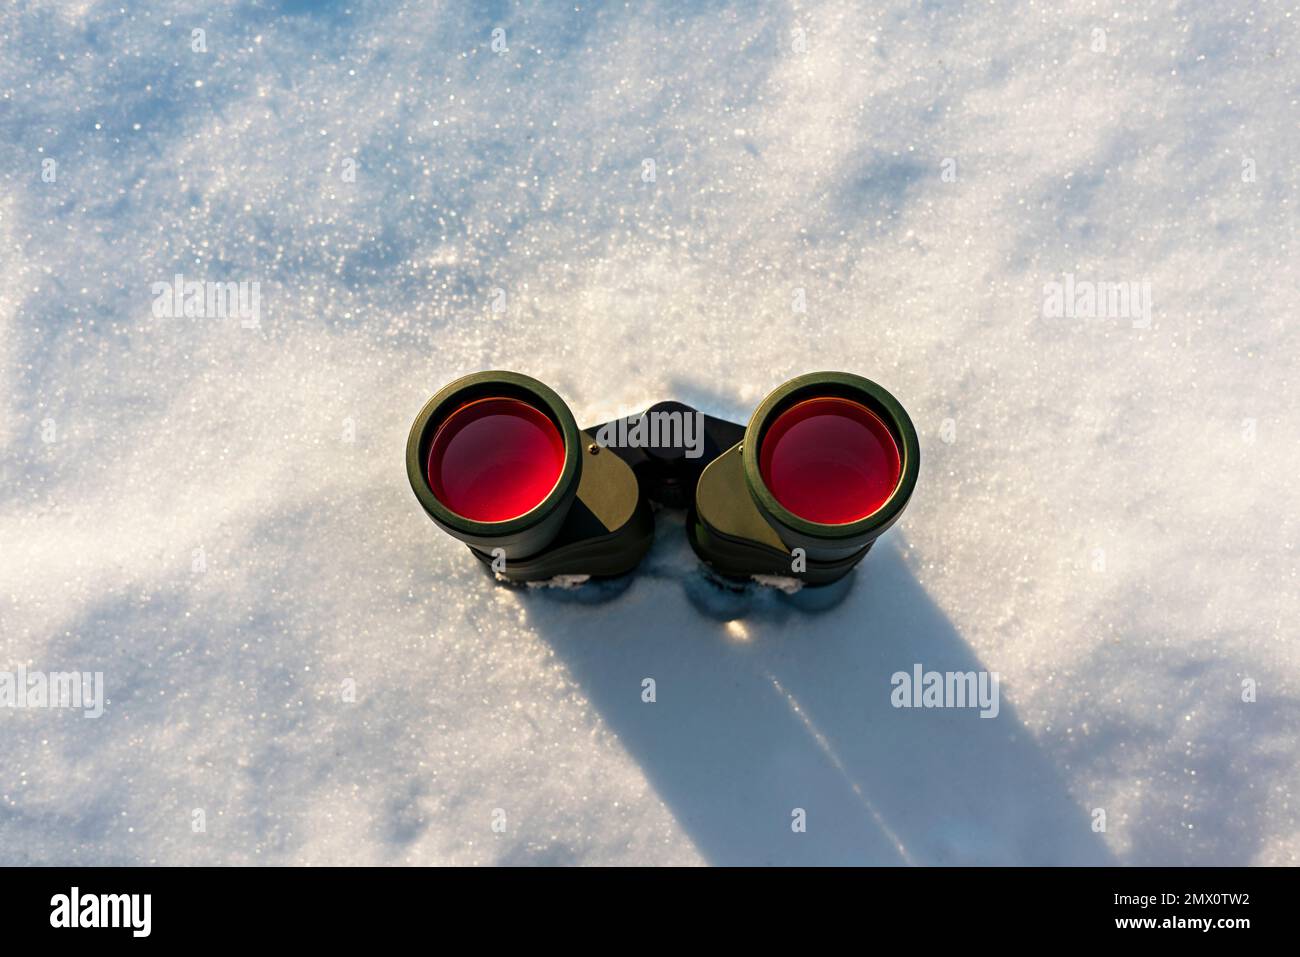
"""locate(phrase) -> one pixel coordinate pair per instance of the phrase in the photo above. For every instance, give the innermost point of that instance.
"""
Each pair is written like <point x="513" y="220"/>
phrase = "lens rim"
<point x="843" y="385"/>
<point x="481" y="385"/>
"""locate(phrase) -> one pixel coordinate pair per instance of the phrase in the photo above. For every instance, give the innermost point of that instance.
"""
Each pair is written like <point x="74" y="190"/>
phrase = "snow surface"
<point x="1112" y="527"/>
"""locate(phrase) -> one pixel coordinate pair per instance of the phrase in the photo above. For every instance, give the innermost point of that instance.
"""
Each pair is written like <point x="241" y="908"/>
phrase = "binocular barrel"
<point x="828" y="462"/>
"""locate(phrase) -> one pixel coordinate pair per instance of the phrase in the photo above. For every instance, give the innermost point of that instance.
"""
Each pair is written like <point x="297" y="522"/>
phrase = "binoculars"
<point x="825" y="465"/>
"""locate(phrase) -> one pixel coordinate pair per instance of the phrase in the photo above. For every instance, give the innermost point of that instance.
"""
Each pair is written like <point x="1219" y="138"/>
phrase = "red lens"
<point x="495" y="459"/>
<point x="830" y="460"/>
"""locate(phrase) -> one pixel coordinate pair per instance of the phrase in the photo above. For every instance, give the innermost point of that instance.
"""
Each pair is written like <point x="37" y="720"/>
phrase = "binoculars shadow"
<point x="773" y="737"/>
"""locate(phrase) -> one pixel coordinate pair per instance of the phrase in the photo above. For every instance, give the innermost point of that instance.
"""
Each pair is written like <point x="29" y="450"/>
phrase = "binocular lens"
<point x="494" y="459"/>
<point x="830" y="460"/>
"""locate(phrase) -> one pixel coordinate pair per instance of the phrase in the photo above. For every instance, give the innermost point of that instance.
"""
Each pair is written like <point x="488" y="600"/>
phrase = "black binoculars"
<point x="826" y="464"/>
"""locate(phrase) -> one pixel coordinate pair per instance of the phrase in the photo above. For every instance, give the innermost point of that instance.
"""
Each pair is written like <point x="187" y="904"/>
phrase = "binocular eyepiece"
<point x="826" y="464"/>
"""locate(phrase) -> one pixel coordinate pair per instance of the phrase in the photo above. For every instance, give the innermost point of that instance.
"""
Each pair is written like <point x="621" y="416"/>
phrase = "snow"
<point x="218" y="518"/>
